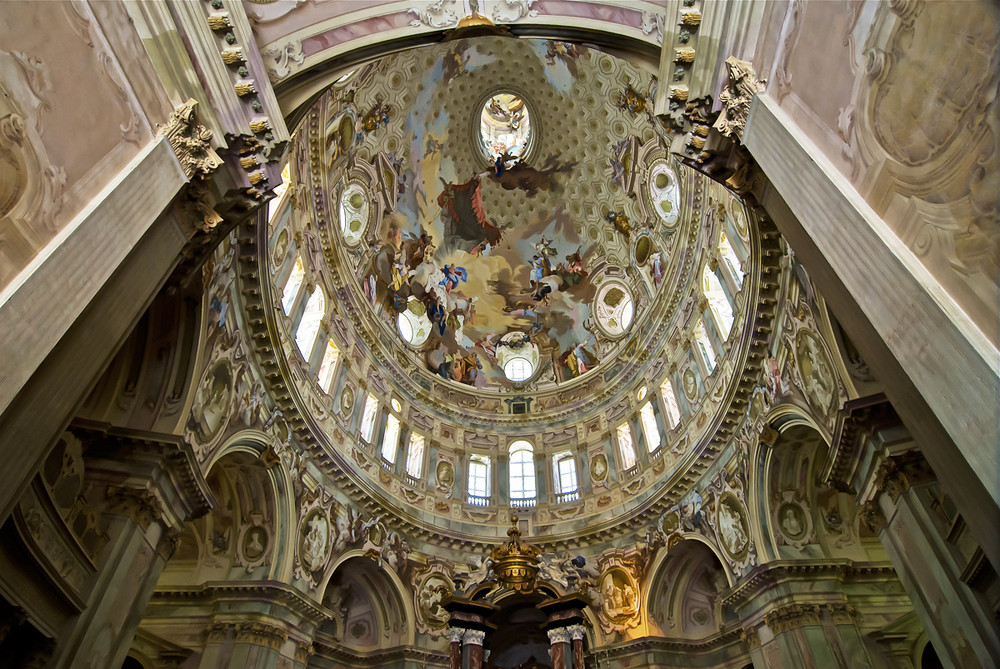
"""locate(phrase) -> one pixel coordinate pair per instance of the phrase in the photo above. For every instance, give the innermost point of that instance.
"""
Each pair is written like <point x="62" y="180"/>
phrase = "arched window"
<point x="730" y="258"/>
<point x="649" y="429"/>
<point x="330" y="357"/>
<point x="718" y="301"/>
<point x="564" y="468"/>
<point x="368" y="418"/>
<point x="305" y="335"/>
<point x="292" y="285"/>
<point x="415" y="455"/>
<point x="390" y="438"/>
<point x="479" y="480"/>
<point x="626" y="448"/>
<point x="522" y="472"/>
<point x="279" y="193"/>
<point x="705" y="346"/>
<point x="673" y="412"/>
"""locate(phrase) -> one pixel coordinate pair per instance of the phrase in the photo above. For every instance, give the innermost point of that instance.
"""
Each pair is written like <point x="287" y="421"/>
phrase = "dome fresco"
<point x="501" y="295"/>
<point x="507" y="215"/>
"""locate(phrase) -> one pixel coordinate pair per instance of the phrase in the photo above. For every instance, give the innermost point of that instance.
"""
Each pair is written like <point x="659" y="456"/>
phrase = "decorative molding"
<point x="736" y="97"/>
<point x="191" y="141"/>
<point x="793" y="616"/>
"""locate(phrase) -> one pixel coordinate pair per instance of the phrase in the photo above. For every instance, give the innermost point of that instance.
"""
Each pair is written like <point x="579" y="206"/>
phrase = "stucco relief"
<point x="282" y="61"/>
<point x="918" y="124"/>
<point x="31" y="187"/>
<point x="133" y="127"/>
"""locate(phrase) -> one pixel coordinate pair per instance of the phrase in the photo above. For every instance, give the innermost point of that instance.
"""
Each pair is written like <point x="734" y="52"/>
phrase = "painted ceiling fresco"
<point x="507" y="216"/>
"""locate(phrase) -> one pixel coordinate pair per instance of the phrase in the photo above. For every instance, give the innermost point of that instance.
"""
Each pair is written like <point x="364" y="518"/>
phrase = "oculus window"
<point x="614" y="308"/>
<point x="664" y="192"/>
<point x="413" y="324"/>
<point x="505" y="127"/>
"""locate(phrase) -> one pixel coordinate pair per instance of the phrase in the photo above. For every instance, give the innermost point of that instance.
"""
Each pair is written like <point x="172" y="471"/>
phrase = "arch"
<point x="365" y="595"/>
<point x="258" y="446"/>
<point x="796" y="508"/>
<point x="682" y="595"/>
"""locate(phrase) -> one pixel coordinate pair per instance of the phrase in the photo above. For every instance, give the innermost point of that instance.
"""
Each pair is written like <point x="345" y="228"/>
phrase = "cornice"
<point x="728" y="637"/>
<point x="323" y="647"/>
<point x="176" y="457"/>
<point x="273" y="592"/>
<point x="765" y="576"/>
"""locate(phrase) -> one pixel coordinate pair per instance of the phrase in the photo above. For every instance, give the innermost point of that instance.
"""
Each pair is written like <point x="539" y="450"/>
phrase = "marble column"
<point x="474" y="640"/>
<point x="455" y="635"/>
<point x="145" y="486"/>
<point x="577" y="632"/>
<point x="558" y="637"/>
<point x="923" y="545"/>
<point x="809" y="635"/>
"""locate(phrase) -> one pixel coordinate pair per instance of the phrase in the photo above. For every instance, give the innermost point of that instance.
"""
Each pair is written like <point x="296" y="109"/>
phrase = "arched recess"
<point x="245" y="535"/>
<point x="800" y="517"/>
<point x="148" y="382"/>
<point x="371" y="608"/>
<point x="682" y="597"/>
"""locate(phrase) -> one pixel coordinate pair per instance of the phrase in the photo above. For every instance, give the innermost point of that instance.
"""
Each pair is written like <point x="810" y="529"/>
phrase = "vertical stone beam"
<point x="938" y="369"/>
<point x="808" y="635"/>
<point x="961" y="629"/>
<point x="146" y="486"/>
<point x="455" y="635"/>
<point x="577" y="632"/>
<point x="558" y="637"/>
<point x="247" y="645"/>
<point x="474" y="640"/>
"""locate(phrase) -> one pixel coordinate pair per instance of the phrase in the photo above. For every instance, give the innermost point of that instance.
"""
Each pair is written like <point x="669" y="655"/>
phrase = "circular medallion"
<point x="792" y="521"/>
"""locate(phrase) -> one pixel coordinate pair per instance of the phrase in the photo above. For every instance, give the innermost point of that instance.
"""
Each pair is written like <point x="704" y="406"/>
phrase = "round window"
<point x="517" y="369"/>
<point x="413" y="323"/>
<point x="614" y="308"/>
<point x="517" y="356"/>
<point x="353" y="213"/>
<point x="505" y="127"/>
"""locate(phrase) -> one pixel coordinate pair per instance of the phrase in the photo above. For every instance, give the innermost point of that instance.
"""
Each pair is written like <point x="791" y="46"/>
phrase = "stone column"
<point x="803" y="635"/>
<point x="474" y="640"/>
<point x="455" y="647"/>
<point x="558" y="637"/>
<point x="146" y="487"/>
<point x="930" y="565"/>
<point x="577" y="632"/>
